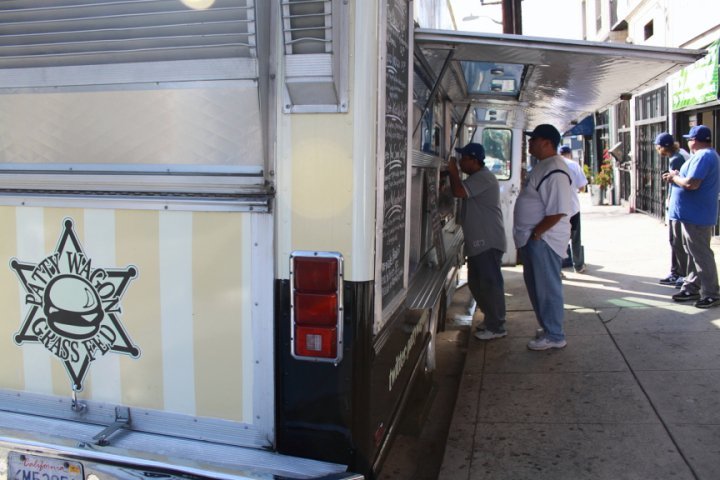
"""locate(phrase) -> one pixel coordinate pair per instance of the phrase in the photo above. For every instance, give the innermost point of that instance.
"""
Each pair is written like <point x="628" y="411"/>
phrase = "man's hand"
<point x="453" y="166"/>
<point x="669" y="175"/>
<point x="455" y="183"/>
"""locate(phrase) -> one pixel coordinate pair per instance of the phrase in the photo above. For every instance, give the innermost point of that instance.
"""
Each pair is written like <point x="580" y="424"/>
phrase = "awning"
<point x="586" y="127"/>
<point x="562" y="80"/>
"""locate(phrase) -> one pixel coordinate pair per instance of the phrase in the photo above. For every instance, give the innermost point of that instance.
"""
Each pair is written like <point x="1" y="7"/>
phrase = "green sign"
<point x="697" y="83"/>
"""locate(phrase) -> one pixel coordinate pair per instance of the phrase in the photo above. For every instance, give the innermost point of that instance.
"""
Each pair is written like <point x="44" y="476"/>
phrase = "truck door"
<point x="503" y="149"/>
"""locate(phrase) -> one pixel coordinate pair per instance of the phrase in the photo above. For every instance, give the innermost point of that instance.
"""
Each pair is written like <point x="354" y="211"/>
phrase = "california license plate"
<point x="22" y="466"/>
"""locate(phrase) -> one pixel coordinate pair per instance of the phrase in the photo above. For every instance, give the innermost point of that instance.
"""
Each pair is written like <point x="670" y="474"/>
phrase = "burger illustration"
<point x="72" y="307"/>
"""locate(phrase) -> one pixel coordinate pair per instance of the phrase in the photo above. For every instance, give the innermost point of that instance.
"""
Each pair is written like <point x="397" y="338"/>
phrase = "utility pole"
<point x="512" y="16"/>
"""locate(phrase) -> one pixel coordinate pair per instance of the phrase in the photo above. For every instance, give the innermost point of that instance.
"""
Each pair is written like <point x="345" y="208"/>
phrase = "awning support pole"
<point x="460" y="127"/>
<point x="434" y="90"/>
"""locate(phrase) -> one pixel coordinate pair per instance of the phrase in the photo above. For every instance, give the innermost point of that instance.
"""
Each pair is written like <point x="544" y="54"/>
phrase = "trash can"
<point x="597" y="195"/>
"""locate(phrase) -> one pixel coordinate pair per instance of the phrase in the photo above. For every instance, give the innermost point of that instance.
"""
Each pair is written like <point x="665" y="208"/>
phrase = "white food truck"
<point x="228" y="238"/>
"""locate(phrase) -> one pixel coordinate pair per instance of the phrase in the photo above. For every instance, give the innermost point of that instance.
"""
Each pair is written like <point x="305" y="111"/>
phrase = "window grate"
<point x="307" y="26"/>
<point x="315" y="48"/>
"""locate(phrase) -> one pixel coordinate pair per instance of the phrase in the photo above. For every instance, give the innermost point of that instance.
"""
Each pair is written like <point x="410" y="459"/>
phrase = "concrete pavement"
<point x="634" y="395"/>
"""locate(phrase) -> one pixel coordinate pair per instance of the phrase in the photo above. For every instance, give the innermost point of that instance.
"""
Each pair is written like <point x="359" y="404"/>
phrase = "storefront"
<point x="694" y="97"/>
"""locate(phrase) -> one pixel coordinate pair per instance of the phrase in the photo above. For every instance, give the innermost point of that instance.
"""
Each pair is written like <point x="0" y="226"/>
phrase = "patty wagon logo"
<point x="74" y="309"/>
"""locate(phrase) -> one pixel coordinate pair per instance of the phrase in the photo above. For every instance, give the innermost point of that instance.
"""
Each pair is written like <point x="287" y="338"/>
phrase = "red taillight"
<point x="316" y="342"/>
<point x="315" y="274"/>
<point x="316" y="280"/>
<point x="315" y="309"/>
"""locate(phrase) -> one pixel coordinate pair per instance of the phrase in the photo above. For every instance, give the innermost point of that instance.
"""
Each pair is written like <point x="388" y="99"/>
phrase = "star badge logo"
<point x="73" y="309"/>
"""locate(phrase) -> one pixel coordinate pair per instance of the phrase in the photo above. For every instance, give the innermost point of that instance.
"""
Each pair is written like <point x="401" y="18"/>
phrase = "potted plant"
<point x="601" y="181"/>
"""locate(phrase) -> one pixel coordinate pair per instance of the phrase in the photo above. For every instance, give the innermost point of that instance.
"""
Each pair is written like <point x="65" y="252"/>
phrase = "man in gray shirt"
<point x="482" y="224"/>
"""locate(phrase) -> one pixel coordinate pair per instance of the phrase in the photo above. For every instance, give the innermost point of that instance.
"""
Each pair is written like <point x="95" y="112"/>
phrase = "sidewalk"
<point x="634" y="395"/>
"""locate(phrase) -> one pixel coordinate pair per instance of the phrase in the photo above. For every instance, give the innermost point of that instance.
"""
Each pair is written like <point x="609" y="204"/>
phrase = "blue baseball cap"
<point x="565" y="149"/>
<point x="701" y="133"/>
<point x="664" y="140"/>
<point x="547" y="132"/>
<point x="474" y="150"/>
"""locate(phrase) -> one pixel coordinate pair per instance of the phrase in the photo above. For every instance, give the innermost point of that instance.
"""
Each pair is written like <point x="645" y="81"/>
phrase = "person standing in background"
<point x="484" y="231"/>
<point x="694" y="201"/>
<point x="575" y="251"/>
<point x="666" y="146"/>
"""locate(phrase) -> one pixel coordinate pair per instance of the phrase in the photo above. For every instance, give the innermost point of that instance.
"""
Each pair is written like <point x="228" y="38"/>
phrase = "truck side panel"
<point x="190" y="317"/>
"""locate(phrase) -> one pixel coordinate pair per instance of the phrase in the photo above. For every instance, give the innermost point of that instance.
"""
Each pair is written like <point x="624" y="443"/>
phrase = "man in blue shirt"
<point x="666" y="146"/>
<point x="694" y="201"/>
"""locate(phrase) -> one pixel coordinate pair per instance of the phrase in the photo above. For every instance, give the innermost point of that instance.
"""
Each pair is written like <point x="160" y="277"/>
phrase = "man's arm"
<point x="545" y="224"/>
<point x="674" y="177"/>
<point x="455" y="182"/>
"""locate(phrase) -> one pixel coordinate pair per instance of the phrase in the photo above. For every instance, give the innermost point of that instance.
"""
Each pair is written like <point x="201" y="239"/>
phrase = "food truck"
<point x="228" y="237"/>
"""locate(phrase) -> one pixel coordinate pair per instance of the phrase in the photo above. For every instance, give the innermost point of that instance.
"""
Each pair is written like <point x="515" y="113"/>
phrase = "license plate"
<point x="22" y="466"/>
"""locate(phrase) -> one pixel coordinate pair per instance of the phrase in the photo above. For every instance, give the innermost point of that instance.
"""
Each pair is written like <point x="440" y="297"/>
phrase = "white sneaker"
<point x="544" y="343"/>
<point x="461" y="319"/>
<point x="489" y="335"/>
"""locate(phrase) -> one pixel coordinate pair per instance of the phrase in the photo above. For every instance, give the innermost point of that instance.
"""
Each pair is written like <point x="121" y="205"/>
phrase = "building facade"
<point x="673" y="104"/>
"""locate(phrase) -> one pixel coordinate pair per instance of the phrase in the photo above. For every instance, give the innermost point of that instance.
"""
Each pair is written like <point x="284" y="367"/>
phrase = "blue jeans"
<point x="487" y="286"/>
<point x="541" y="271"/>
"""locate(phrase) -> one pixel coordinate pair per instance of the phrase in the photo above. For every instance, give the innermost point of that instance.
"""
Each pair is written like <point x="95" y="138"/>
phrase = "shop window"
<point x="651" y="119"/>
<point x="648" y="30"/>
<point x="651" y="105"/>
<point x="602" y="138"/>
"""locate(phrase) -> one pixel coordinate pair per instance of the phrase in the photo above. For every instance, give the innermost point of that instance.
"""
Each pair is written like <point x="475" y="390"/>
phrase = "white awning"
<point x="560" y="82"/>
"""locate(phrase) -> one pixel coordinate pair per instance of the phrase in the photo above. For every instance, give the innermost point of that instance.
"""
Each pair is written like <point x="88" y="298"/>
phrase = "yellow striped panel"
<point x="137" y="244"/>
<point x="217" y="265"/>
<point x="11" y="357"/>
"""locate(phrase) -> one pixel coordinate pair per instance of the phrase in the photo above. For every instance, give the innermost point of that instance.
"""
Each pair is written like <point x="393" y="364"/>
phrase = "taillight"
<point x="316" y="306"/>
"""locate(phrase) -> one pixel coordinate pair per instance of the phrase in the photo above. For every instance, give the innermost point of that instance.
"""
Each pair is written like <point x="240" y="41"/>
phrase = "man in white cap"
<point x="694" y="201"/>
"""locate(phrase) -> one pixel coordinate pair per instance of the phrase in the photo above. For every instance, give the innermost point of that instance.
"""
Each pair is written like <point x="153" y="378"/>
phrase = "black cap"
<point x="474" y="150"/>
<point x="547" y="132"/>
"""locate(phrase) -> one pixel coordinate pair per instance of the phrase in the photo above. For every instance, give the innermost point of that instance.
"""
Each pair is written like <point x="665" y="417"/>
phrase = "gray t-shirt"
<point x="481" y="217"/>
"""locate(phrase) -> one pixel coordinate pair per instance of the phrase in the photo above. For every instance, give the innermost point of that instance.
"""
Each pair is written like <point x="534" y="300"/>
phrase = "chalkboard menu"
<point x="396" y="133"/>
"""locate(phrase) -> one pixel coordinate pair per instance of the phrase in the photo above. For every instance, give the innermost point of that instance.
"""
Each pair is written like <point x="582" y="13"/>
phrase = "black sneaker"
<point x="669" y="280"/>
<point x="708" y="302"/>
<point x="685" y="296"/>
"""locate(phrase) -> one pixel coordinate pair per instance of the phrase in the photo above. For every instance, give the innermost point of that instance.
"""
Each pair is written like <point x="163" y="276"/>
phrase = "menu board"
<point x="396" y="139"/>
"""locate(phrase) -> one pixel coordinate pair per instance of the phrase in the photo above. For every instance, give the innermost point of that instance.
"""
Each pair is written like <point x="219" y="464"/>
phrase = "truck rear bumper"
<point x="142" y="455"/>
